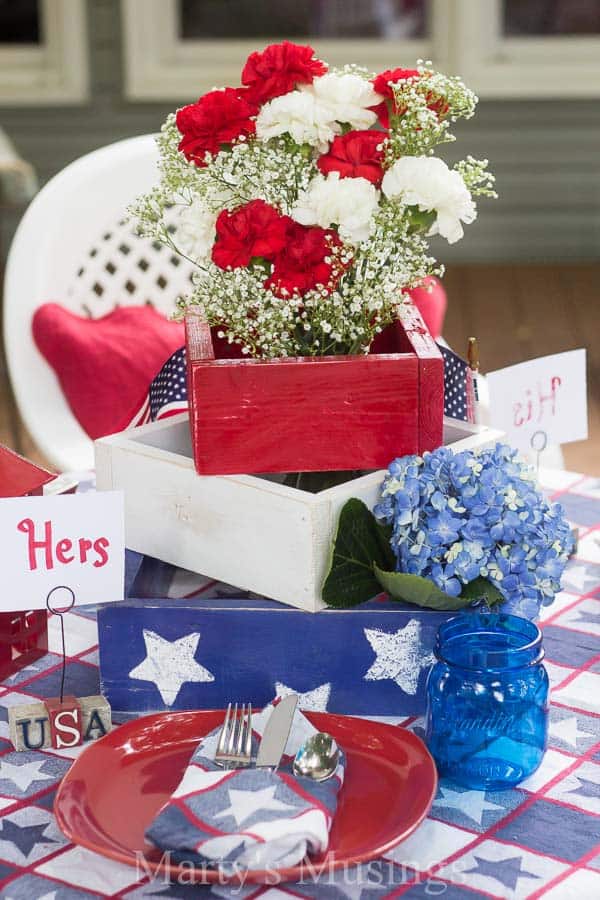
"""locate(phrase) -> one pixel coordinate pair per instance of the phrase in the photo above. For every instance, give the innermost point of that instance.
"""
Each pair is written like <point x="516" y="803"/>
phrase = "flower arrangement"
<point x="462" y="527"/>
<point x="306" y="195"/>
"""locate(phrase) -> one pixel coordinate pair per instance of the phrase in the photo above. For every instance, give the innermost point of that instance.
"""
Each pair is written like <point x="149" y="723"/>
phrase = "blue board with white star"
<point x="201" y="652"/>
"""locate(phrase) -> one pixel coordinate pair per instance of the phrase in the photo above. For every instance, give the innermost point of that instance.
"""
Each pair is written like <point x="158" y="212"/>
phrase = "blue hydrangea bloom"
<point x="461" y="516"/>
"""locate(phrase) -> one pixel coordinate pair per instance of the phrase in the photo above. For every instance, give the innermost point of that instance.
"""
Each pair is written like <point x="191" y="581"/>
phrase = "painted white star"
<point x="399" y="656"/>
<point x="471" y="803"/>
<point x="567" y="730"/>
<point x="313" y="701"/>
<point x="170" y="664"/>
<point x="576" y="576"/>
<point x="25" y="775"/>
<point x="245" y="803"/>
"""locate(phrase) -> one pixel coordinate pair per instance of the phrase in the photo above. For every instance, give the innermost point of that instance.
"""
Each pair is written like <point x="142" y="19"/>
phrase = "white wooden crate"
<point x="246" y="530"/>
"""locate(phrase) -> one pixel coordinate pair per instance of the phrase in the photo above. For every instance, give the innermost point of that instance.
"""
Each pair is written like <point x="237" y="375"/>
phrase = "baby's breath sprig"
<point x="428" y="106"/>
<point x="477" y="177"/>
<point x="381" y="250"/>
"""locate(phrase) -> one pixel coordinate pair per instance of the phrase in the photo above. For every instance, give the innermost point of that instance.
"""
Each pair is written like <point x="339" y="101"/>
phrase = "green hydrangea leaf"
<point x="420" y="591"/>
<point x="481" y="588"/>
<point x="360" y="542"/>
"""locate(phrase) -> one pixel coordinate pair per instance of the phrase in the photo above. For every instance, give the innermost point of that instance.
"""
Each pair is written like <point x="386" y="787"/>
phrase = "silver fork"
<point x="234" y="749"/>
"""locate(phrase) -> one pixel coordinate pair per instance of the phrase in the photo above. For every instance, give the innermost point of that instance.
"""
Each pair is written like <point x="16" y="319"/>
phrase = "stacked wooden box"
<point x="186" y="506"/>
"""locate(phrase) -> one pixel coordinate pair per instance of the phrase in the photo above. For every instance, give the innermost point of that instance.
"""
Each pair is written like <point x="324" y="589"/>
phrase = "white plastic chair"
<point x="73" y="247"/>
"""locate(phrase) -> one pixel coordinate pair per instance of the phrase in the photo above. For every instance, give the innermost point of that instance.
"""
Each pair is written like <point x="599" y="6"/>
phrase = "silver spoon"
<point x="317" y="758"/>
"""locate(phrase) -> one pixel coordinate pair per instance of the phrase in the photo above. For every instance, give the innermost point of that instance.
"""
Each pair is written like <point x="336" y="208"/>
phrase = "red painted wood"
<point x="23" y="638"/>
<point x="19" y="477"/>
<point x="431" y="378"/>
<point x="66" y="724"/>
<point x="23" y="635"/>
<point x="313" y="414"/>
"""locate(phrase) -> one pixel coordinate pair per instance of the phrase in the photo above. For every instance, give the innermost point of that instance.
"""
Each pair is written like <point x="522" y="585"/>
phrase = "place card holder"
<point x="60" y="722"/>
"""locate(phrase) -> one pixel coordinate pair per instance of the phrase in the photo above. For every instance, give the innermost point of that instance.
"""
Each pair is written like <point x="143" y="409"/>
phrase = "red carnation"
<point x="278" y="69"/>
<point x="301" y="264"/>
<point x="355" y="155"/>
<point x="381" y="83"/>
<point x="218" y="117"/>
<point x="255" y="229"/>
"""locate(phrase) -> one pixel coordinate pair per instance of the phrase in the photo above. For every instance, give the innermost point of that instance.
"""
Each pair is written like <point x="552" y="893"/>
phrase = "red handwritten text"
<point x="537" y="405"/>
<point x="42" y="549"/>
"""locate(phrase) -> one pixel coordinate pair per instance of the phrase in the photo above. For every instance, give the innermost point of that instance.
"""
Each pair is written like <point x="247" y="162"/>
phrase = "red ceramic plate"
<point x="115" y="788"/>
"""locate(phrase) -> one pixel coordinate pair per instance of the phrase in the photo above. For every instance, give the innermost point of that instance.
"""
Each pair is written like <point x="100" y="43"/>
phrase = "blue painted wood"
<point x="203" y="652"/>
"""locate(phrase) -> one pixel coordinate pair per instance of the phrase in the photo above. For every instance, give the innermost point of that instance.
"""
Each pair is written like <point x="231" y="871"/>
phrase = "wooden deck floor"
<point x="517" y="312"/>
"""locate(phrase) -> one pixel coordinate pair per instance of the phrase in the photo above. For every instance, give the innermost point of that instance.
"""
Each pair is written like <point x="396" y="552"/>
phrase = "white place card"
<point x="543" y="401"/>
<point x="75" y="540"/>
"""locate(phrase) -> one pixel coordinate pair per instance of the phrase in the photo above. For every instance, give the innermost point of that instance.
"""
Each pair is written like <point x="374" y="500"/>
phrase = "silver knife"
<point x="276" y="733"/>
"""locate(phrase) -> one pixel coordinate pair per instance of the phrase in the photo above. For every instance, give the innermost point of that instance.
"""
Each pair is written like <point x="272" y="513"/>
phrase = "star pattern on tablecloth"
<point x="51" y="895"/>
<point x="579" y="577"/>
<point x="586" y="787"/>
<point x="24" y="837"/>
<point x="245" y="804"/>
<point x="315" y="700"/>
<point x="25" y="774"/>
<point x="399" y="656"/>
<point x="567" y="730"/>
<point x="506" y="871"/>
<point x="472" y="804"/>
<point x="170" y="664"/>
<point x="587" y="617"/>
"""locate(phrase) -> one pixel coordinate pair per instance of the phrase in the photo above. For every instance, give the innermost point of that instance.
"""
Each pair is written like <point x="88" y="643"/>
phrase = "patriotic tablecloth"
<point x="539" y="840"/>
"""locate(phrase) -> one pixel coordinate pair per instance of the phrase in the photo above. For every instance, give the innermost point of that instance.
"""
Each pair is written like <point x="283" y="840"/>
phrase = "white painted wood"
<point x="56" y="70"/>
<point x="159" y="65"/>
<point x="465" y="36"/>
<point x="246" y="530"/>
<point x="496" y="66"/>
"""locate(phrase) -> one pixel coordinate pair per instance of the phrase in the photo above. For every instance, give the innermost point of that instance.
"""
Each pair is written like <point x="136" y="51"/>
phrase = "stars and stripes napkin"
<point x="247" y="818"/>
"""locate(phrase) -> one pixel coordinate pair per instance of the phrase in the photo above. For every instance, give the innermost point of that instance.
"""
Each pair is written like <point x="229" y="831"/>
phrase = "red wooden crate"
<point x="23" y="638"/>
<point x="312" y="414"/>
<point x="23" y="635"/>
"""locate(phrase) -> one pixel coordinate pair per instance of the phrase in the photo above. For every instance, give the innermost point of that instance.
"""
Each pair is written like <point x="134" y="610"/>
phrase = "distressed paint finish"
<point x="313" y="414"/>
<point x="372" y="659"/>
<point x="253" y="532"/>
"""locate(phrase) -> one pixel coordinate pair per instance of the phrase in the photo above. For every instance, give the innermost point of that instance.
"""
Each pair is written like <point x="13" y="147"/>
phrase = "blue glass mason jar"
<point x="487" y="697"/>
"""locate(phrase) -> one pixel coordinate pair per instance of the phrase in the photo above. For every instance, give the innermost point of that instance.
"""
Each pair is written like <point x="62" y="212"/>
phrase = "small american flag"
<point x="459" y="386"/>
<point x="168" y="392"/>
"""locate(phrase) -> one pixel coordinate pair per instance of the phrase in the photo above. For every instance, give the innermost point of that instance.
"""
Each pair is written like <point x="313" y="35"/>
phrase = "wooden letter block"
<point x="65" y="722"/>
<point x="37" y="726"/>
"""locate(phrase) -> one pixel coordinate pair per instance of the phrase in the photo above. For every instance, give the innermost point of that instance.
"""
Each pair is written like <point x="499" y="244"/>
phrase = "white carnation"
<point x="196" y="233"/>
<point x="428" y="183"/>
<point x="347" y="98"/>
<point x="346" y="202"/>
<point x="299" y="114"/>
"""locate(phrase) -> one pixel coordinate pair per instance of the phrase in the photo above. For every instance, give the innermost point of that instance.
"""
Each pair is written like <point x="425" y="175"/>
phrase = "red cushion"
<point x="105" y="365"/>
<point x="431" y="304"/>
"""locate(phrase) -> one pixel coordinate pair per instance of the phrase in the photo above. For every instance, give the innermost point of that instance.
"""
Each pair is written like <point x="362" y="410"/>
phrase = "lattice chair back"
<point x="75" y="247"/>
